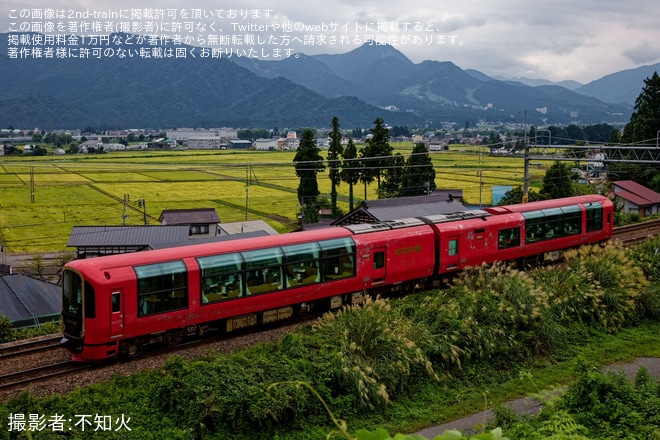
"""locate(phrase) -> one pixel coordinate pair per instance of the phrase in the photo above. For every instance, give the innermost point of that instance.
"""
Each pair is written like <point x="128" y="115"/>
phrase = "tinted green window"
<point x="508" y="238"/>
<point x="453" y="248"/>
<point x="221" y="277"/>
<point x="302" y="263"/>
<point x="594" y="216"/>
<point x="263" y="270"/>
<point x="162" y="287"/>
<point x="337" y="258"/>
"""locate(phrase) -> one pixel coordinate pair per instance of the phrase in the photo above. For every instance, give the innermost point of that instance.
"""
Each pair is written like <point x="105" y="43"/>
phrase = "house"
<point x="97" y="241"/>
<point x="203" y="222"/>
<point x="268" y="144"/>
<point x="239" y="144"/>
<point x="636" y="198"/>
<point x="248" y="226"/>
<point x="373" y="211"/>
<point x="29" y="302"/>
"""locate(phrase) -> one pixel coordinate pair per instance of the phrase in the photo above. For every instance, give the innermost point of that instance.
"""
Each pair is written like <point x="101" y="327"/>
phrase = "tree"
<point x="494" y="141"/>
<point x="557" y="182"/>
<point x="377" y="152"/>
<point x="419" y="174"/>
<point x="334" y="156"/>
<point x="350" y="169"/>
<point x="308" y="162"/>
<point x="576" y="134"/>
<point x="392" y="178"/>
<point x="50" y="138"/>
<point x="645" y="119"/>
<point x="515" y="196"/>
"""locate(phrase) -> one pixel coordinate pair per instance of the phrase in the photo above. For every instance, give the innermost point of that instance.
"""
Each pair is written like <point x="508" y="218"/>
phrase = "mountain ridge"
<point x="304" y="90"/>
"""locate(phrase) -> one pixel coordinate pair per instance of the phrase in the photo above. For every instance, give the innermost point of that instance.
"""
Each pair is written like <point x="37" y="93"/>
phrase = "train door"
<point x="117" y="314"/>
<point x="450" y="253"/>
<point x="378" y="274"/>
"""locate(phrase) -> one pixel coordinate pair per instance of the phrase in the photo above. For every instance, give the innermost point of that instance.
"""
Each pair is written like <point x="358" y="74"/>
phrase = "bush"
<point x="599" y="286"/>
<point x="377" y="351"/>
<point x="6" y="333"/>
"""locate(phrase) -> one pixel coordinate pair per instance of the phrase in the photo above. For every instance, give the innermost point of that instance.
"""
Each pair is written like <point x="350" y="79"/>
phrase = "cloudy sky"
<point x="580" y="40"/>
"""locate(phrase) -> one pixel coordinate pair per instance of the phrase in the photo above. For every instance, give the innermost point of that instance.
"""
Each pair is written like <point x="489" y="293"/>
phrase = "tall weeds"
<point x="378" y="350"/>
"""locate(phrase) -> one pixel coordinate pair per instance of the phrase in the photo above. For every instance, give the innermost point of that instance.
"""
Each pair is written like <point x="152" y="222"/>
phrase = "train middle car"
<point x="121" y="303"/>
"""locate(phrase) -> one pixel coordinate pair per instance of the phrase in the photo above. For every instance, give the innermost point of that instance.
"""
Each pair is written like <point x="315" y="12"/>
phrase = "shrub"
<point x="376" y="349"/>
<point x="600" y="286"/>
<point x="6" y="333"/>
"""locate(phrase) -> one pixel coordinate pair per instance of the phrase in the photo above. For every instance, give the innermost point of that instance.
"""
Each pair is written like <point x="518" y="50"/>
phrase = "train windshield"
<point x="72" y="293"/>
<point x="74" y="289"/>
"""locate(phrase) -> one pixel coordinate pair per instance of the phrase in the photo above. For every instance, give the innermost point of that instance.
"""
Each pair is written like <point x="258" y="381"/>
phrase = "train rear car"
<point x="551" y="226"/>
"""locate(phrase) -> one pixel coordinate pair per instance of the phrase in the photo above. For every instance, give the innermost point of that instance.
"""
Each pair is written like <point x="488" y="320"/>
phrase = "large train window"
<point x="549" y="224"/>
<point x="221" y="277"/>
<point x="162" y="287"/>
<point x="594" y="216"/>
<point x="508" y="238"/>
<point x="302" y="264"/>
<point x="263" y="270"/>
<point x="337" y="258"/>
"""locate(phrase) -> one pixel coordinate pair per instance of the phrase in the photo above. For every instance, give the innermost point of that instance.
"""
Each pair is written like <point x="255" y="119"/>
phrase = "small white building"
<point x="265" y="144"/>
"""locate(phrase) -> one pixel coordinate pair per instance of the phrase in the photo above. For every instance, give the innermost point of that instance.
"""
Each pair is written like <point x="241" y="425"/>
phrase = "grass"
<point x="425" y="408"/>
<point x="89" y="189"/>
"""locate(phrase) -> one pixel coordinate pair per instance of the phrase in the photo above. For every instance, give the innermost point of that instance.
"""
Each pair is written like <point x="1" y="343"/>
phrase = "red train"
<point x="121" y="303"/>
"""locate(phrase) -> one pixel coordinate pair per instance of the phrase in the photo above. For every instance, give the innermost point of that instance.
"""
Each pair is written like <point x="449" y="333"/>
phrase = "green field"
<point x="89" y="190"/>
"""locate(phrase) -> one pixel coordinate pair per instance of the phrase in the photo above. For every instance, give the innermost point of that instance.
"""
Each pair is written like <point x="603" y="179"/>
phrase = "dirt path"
<point x="474" y="423"/>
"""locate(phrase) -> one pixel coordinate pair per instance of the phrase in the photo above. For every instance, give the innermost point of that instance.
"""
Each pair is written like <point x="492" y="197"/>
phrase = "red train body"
<point x="120" y="303"/>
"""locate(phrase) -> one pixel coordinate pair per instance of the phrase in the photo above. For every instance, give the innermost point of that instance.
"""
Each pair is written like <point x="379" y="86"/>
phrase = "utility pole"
<point x="526" y="177"/>
<point x="124" y="215"/>
<point x="31" y="184"/>
<point x="142" y="204"/>
<point x="247" y="176"/>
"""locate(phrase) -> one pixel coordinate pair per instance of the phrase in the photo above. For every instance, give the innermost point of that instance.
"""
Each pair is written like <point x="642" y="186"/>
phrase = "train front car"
<point x="78" y="300"/>
<point x="86" y="313"/>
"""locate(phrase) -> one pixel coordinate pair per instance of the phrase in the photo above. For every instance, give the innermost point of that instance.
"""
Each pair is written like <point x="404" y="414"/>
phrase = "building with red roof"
<point x="636" y="198"/>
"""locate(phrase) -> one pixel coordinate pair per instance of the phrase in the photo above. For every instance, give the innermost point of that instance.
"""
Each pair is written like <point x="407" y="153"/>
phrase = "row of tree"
<point x="395" y="175"/>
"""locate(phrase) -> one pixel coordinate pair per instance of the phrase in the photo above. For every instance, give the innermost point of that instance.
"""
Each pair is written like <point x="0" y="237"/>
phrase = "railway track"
<point x="30" y="347"/>
<point x="23" y="377"/>
<point x="636" y="233"/>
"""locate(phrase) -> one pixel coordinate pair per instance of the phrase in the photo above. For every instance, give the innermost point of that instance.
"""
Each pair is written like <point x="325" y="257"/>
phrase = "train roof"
<point x="454" y="217"/>
<point x="363" y="228"/>
<point x="547" y="204"/>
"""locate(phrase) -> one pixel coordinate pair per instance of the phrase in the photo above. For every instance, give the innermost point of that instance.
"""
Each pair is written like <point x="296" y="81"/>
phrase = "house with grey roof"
<point x="444" y="201"/>
<point x="202" y="222"/>
<point x="245" y="227"/>
<point x="636" y="198"/>
<point x="96" y="241"/>
<point x="29" y="302"/>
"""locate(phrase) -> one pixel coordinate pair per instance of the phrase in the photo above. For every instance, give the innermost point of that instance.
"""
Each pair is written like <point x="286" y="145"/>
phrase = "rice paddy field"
<point x="43" y="198"/>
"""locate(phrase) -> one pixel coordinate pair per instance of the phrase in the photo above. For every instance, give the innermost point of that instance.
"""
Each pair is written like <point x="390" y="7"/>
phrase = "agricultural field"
<point x="43" y="198"/>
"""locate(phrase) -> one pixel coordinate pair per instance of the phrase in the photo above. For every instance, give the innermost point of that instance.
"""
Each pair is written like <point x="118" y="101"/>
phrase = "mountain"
<point x="303" y="90"/>
<point x="619" y="87"/>
<point x="568" y="84"/>
<point x="161" y="93"/>
<point x="435" y="91"/>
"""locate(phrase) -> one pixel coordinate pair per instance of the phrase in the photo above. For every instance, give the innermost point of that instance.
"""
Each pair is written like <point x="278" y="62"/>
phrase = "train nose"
<point x="73" y="345"/>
